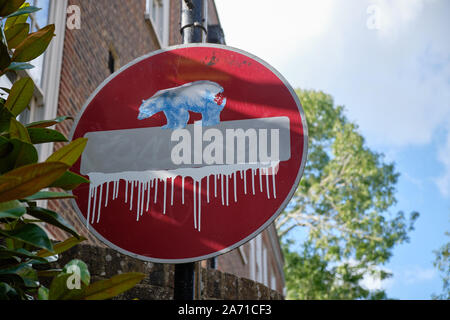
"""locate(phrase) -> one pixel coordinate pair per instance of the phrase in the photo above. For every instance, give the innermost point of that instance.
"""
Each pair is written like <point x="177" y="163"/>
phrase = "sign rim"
<point x="264" y="225"/>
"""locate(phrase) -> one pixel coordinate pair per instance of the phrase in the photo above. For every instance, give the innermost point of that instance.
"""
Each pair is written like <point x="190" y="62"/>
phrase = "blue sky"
<point x="388" y="62"/>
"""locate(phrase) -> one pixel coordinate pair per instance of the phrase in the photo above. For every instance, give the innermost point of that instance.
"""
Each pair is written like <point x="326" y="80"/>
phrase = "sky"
<point x="388" y="63"/>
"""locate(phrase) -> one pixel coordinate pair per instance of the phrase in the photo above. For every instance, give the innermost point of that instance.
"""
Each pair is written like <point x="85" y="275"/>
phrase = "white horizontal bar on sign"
<point x="259" y="140"/>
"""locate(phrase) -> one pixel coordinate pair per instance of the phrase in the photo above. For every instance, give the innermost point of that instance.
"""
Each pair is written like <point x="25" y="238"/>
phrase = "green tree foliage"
<point x="442" y="263"/>
<point x="342" y="204"/>
<point x="25" y="247"/>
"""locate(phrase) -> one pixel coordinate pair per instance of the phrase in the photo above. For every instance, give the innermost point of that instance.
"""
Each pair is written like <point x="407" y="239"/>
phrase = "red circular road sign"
<point x="192" y="151"/>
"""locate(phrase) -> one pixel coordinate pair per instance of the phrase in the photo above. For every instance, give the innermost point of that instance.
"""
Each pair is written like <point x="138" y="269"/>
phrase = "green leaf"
<point x="70" y="153"/>
<point x="20" y="96"/>
<point x="82" y="269"/>
<point x="61" y="247"/>
<point x="49" y="195"/>
<point x="27" y="180"/>
<point x="5" y="118"/>
<point x="7" y="292"/>
<point x="43" y="293"/>
<point x="71" y="282"/>
<point x="9" y="6"/>
<point x="29" y="276"/>
<point x="5" y="59"/>
<point x="69" y="181"/>
<point x="48" y="123"/>
<point x="10" y="205"/>
<point x="16" y="34"/>
<point x="21" y="253"/>
<point x="18" y="131"/>
<point x="52" y="218"/>
<point x="44" y="135"/>
<point x="34" y="45"/>
<point x="106" y="289"/>
<point x="16" y="154"/>
<point x="17" y="66"/>
<point x="31" y="234"/>
<point x="17" y="19"/>
<point x="14" y="213"/>
<point x="24" y="10"/>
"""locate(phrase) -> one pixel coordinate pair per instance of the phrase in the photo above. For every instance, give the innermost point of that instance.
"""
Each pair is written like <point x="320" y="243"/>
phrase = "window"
<point x="38" y="20"/>
<point x="157" y="12"/>
<point x="258" y="260"/>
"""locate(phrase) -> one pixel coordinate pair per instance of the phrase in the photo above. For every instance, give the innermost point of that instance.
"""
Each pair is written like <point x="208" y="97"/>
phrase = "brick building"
<point x="95" y="38"/>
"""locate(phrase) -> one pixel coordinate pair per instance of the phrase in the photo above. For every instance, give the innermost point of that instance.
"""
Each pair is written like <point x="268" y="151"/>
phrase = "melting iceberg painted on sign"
<point x="210" y="152"/>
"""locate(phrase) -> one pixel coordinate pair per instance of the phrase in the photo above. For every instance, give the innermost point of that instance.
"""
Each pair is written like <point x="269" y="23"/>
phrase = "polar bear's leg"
<point x="211" y="116"/>
<point x="176" y="118"/>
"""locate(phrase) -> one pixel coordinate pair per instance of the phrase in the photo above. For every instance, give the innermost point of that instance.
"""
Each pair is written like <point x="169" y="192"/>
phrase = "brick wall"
<point x="158" y="284"/>
<point x="238" y="263"/>
<point x="105" y="25"/>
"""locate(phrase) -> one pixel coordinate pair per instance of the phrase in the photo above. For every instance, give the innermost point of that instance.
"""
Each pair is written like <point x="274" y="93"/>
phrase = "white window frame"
<point x="163" y="39"/>
<point x="52" y="67"/>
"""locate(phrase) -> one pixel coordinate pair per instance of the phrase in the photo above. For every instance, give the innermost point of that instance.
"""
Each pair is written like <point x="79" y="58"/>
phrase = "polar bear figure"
<point x="205" y="97"/>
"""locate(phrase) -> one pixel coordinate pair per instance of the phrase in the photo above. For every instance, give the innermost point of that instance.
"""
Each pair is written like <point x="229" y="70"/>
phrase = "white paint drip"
<point x="147" y="180"/>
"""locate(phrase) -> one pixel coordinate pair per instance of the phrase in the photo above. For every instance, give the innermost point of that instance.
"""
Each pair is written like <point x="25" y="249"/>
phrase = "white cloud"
<point x="391" y="17"/>
<point x="271" y="29"/>
<point x="372" y="283"/>
<point x="394" y="81"/>
<point x="418" y="274"/>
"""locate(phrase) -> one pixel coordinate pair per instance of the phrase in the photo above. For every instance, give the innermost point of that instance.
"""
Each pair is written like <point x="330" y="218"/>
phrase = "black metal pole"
<point x="193" y="30"/>
<point x="194" y="25"/>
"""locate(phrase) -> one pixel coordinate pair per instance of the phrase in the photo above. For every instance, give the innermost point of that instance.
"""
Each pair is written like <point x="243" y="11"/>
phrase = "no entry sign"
<point x="191" y="152"/>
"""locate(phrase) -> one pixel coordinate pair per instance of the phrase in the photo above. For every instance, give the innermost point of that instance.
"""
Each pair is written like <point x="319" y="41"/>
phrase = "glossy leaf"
<point x="61" y="247"/>
<point x="71" y="282"/>
<point x="5" y="118"/>
<point x="7" y="292"/>
<point x="17" y="18"/>
<point x="21" y="253"/>
<point x="52" y="218"/>
<point x="43" y="293"/>
<point x="18" y="131"/>
<point x="10" y="205"/>
<point x="20" y="96"/>
<point x="44" y="135"/>
<point x="5" y="58"/>
<point x="17" y="66"/>
<point x="9" y="6"/>
<point x="49" y="195"/>
<point x="17" y="153"/>
<point x="16" y="34"/>
<point x="106" y="289"/>
<point x="31" y="234"/>
<point x="69" y="181"/>
<point x="28" y="180"/>
<point x="48" y="123"/>
<point x="29" y="276"/>
<point x="24" y="11"/>
<point x="14" y="213"/>
<point x="82" y="269"/>
<point x="34" y="45"/>
<point x="70" y="153"/>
